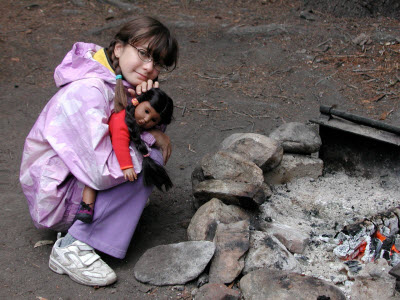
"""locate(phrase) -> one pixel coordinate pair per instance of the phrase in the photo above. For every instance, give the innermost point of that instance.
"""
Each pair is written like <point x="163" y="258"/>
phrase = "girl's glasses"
<point x="146" y="57"/>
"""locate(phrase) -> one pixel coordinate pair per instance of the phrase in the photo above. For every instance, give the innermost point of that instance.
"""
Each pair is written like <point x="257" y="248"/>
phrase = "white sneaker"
<point x="81" y="263"/>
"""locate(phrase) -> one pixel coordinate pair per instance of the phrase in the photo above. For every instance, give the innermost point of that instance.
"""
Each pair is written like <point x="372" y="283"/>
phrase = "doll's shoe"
<point x="85" y="213"/>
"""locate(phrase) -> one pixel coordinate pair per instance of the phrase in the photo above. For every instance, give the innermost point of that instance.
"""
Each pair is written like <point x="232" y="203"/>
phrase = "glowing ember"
<point x="369" y="245"/>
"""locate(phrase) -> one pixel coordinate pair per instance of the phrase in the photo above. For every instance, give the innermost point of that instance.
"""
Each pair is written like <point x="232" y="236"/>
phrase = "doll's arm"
<point x="163" y="142"/>
<point x="120" y="139"/>
<point x="130" y="174"/>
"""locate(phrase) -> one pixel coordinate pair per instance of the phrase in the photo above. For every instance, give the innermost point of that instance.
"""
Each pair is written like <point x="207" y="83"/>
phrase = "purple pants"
<point x="116" y="214"/>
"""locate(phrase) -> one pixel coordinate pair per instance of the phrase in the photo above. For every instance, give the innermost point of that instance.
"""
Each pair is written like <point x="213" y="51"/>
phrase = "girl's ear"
<point x="118" y="49"/>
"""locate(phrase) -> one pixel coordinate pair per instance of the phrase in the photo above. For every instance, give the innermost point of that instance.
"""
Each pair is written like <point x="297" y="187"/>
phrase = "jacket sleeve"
<point x="148" y="138"/>
<point x="76" y="127"/>
<point x="120" y="139"/>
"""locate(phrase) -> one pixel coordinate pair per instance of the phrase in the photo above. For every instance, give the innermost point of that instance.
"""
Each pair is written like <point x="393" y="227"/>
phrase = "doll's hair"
<point x="153" y="173"/>
<point x="162" y="47"/>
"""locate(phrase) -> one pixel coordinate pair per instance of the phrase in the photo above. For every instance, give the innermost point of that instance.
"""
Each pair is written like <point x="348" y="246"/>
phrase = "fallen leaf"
<point x="374" y="99"/>
<point x="385" y="114"/>
<point x="16" y="59"/>
<point x="42" y="243"/>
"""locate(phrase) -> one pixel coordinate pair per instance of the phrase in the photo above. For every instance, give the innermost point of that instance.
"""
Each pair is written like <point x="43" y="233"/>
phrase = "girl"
<point x="69" y="147"/>
<point x="145" y="112"/>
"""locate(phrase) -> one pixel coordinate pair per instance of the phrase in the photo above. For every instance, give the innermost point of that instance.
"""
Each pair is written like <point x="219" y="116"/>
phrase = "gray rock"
<point x="263" y="151"/>
<point x="202" y="280"/>
<point x="384" y="37"/>
<point x="308" y="15"/>
<point x="297" y="138"/>
<point x="174" y="264"/>
<point x="267" y="190"/>
<point x="266" y="251"/>
<point x="293" y="239"/>
<point x="206" y="219"/>
<point x="374" y="282"/>
<point x="215" y="291"/>
<point x="230" y="192"/>
<point x="267" y="284"/>
<point x="362" y="39"/>
<point x="197" y="176"/>
<point x="232" y="166"/>
<point x="294" y="166"/>
<point x="232" y="242"/>
<point x="372" y="288"/>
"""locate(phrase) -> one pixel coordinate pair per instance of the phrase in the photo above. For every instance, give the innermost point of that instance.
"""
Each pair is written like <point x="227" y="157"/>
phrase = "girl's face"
<point x="146" y="116"/>
<point x="134" y="70"/>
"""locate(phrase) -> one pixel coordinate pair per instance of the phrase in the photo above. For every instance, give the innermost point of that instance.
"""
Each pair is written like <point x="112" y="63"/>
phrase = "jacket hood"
<point x="79" y="64"/>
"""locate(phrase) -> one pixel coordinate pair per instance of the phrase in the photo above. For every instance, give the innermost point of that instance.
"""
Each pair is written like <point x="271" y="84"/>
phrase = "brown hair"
<point x="163" y="47"/>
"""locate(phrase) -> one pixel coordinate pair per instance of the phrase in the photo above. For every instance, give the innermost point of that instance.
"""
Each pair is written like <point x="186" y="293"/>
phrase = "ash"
<point x="322" y="207"/>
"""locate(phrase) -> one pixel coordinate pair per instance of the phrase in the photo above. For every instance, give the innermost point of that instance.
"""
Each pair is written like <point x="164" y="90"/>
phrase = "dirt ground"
<point x="229" y="80"/>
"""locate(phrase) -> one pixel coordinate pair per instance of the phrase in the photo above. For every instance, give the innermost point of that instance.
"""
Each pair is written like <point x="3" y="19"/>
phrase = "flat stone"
<point x="215" y="291"/>
<point x="175" y="263"/>
<point x="206" y="219"/>
<point x="265" y="152"/>
<point x="267" y="190"/>
<point x="197" y="175"/>
<point x="266" y="251"/>
<point x="372" y="288"/>
<point x="385" y="37"/>
<point x="395" y="271"/>
<point x="294" y="166"/>
<point x="374" y="281"/>
<point x="230" y="192"/>
<point x="232" y="166"/>
<point x="232" y="242"/>
<point x="275" y="284"/>
<point x="293" y="239"/>
<point x="297" y="137"/>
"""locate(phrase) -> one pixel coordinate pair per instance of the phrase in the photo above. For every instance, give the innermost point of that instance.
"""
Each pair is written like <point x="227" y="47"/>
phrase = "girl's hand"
<point x="129" y="174"/>
<point x="163" y="142"/>
<point x="144" y="87"/>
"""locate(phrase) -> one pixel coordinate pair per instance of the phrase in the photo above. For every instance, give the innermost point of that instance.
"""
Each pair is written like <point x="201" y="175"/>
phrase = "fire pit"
<point x="352" y="212"/>
<point x="372" y="148"/>
<point x="333" y="215"/>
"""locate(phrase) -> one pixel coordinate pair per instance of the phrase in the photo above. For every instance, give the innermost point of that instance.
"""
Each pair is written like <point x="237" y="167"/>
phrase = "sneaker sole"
<point x="59" y="269"/>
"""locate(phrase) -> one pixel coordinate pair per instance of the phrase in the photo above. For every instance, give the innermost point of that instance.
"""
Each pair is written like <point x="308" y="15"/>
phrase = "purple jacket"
<point x="69" y="145"/>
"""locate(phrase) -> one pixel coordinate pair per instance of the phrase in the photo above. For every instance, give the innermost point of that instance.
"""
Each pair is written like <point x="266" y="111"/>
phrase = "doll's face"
<point x="146" y="116"/>
<point x="133" y="69"/>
